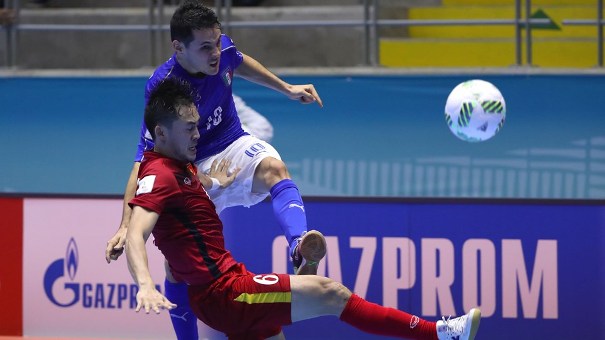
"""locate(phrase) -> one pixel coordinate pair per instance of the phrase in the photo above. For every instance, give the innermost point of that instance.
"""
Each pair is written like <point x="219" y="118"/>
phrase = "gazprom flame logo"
<point x="63" y="290"/>
<point x="71" y="255"/>
<point x="57" y="270"/>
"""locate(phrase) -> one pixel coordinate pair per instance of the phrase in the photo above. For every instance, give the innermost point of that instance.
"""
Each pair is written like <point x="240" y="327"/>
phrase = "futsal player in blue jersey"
<point x="208" y="60"/>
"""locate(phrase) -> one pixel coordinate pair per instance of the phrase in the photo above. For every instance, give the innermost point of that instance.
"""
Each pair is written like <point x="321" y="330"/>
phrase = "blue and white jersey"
<point x="219" y="124"/>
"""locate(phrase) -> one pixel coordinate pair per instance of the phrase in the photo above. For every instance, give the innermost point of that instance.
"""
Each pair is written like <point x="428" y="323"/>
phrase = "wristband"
<point x="215" y="183"/>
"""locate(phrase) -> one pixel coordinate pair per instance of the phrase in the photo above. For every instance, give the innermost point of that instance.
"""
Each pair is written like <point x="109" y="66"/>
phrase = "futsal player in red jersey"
<point x="171" y="203"/>
<point x="209" y="60"/>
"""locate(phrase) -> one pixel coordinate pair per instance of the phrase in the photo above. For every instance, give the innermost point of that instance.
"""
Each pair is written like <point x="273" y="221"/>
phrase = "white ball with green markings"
<point x="475" y="110"/>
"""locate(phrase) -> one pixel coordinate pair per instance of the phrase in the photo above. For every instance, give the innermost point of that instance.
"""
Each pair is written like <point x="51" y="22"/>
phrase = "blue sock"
<point x="289" y="210"/>
<point x="183" y="320"/>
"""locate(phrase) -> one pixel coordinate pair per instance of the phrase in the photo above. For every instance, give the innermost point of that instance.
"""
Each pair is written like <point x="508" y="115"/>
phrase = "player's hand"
<point x="305" y="94"/>
<point x="115" y="245"/>
<point x="150" y="299"/>
<point x="220" y="171"/>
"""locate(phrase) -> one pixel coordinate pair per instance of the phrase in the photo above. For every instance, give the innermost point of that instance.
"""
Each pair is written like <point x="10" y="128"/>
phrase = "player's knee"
<point x="335" y="295"/>
<point x="275" y="170"/>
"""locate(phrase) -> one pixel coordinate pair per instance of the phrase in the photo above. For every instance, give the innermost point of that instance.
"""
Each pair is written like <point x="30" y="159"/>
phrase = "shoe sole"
<point x="312" y="249"/>
<point x="475" y="321"/>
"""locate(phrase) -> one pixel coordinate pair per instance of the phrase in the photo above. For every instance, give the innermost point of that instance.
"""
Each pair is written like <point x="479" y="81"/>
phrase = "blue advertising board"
<point x="533" y="267"/>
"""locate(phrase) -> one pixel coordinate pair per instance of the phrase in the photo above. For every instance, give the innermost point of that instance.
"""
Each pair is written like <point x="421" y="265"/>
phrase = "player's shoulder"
<point x="227" y="43"/>
<point x="229" y="53"/>
<point x="161" y="168"/>
<point x="162" y="72"/>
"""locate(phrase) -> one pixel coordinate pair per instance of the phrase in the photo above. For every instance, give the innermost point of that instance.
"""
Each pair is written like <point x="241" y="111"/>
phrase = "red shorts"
<point x="244" y="305"/>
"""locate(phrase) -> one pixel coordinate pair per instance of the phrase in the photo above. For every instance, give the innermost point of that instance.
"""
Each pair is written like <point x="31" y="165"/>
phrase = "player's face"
<point x="203" y="54"/>
<point x="183" y="135"/>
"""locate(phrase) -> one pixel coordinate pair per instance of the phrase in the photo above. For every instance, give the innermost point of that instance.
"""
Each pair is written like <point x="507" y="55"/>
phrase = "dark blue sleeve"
<point x="145" y="140"/>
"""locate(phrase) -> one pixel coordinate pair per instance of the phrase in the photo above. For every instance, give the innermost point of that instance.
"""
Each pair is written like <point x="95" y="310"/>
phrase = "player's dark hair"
<point x="191" y="15"/>
<point x="165" y="101"/>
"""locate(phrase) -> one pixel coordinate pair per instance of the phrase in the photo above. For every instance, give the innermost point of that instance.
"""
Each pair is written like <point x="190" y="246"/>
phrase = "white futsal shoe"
<point x="311" y="248"/>
<point x="461" y="328"/>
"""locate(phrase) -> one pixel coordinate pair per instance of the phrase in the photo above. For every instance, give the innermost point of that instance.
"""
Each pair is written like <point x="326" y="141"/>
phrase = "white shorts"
<point x="245" y="153"/>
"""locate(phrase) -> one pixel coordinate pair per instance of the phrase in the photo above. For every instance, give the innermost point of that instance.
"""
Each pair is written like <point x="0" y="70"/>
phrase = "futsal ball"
<point x="475" y="110"/>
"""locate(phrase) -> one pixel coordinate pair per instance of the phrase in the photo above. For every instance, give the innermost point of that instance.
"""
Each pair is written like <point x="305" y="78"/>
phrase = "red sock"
<point x="375" y="319"/>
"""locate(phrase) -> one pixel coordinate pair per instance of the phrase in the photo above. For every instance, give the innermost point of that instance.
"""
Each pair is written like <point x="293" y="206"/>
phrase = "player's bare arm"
<point x="253" y="71"/>
<point x="115" y="245"/>
<point x="148" y="298"/>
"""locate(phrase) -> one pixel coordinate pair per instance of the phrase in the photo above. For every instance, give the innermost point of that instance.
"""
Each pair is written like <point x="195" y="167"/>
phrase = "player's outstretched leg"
<point x="314" y="296"/>
<point x="462" y="328"/>
<point x="375" y="319"/>
<point x="306" y="248"/>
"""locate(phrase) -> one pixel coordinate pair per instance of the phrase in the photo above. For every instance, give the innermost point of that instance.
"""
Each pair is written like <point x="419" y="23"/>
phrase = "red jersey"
<point x="188" y="232"/>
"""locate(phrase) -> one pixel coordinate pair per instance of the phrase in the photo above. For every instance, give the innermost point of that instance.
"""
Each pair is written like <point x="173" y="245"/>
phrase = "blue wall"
<point x="376" y="136"/>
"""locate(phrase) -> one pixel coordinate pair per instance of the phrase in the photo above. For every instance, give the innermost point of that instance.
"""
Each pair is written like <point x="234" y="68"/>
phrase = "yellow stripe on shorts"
<point x="271" y="297"/>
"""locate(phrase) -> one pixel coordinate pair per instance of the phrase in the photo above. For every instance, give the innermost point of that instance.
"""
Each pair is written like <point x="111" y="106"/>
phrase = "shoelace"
<point x="454" y="326"/>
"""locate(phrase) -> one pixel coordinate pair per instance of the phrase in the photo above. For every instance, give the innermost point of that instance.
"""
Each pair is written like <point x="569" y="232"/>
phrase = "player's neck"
<point x="161" y="151"/>
<point x="188" y="68"/>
